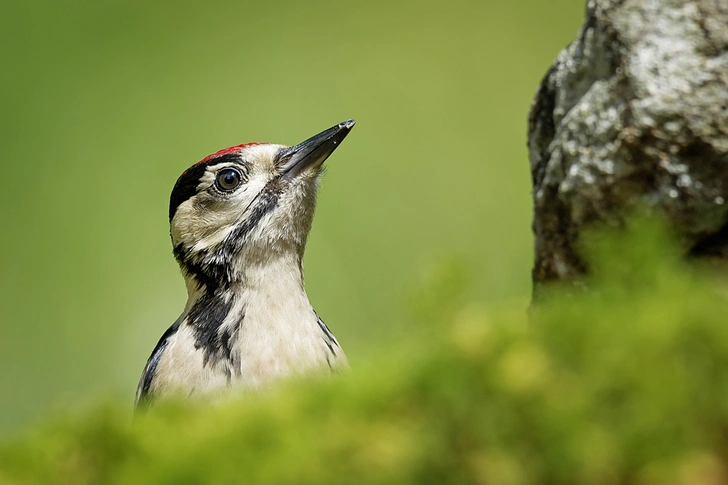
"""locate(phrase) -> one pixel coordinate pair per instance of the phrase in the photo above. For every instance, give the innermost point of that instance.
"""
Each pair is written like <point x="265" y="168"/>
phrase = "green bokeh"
<point x="622" y="384"/>
<point x="105" y="103"/>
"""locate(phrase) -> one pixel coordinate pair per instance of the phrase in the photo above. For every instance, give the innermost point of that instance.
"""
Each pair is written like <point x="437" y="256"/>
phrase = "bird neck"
<point x="275" y="279"/>
<point x="277" y="276"/>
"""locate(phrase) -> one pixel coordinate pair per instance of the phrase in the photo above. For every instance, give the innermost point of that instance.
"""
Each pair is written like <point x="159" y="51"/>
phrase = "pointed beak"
<point x="314" y="151"/>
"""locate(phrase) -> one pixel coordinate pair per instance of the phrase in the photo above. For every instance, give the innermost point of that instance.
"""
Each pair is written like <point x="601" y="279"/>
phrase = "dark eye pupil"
<point x="228" y="179"/>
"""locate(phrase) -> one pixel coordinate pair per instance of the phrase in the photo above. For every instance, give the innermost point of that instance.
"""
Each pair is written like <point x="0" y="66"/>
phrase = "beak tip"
<point x="314" y="150"/>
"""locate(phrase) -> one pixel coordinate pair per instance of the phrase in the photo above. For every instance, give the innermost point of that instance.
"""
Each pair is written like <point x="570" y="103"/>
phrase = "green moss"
<point x="626" y="383"/>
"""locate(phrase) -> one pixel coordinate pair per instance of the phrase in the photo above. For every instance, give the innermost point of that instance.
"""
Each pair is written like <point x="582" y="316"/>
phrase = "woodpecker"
<point x="239" y="221"/>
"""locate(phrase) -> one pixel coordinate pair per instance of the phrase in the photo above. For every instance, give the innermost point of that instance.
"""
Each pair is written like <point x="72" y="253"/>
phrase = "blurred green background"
<point x="105" y="103"/>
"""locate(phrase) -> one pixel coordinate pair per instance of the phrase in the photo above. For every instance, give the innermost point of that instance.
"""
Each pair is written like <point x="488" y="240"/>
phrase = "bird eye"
<point x="228" y="179"/>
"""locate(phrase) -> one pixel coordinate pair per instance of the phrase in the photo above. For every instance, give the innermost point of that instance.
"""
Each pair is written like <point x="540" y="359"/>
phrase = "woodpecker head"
<point x="246" y="204"/>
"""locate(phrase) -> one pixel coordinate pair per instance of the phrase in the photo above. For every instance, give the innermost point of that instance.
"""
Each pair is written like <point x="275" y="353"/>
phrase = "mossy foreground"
<point x="625" y="383"/>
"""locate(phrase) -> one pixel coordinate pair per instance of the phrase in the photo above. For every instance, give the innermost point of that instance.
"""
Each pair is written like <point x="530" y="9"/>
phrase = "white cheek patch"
<point x="215" y="225"/>
<point x="213" y="239"/>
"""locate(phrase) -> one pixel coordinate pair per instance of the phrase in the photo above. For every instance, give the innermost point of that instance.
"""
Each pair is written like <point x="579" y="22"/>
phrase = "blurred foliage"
<point x="624" y="383"/>
<point x="105" y="103"/>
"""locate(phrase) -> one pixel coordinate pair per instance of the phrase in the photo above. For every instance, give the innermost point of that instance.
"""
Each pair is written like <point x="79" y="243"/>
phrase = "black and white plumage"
<point x="239" y="220"/>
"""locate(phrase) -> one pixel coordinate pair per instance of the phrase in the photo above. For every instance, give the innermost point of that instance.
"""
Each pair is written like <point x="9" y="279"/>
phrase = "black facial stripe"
<point x="264" y="203"/>
<point x="151" y="368"/>
<point x="211" y="275"/>
<point x="186" y="185"/>
<point x="210" y="268"/>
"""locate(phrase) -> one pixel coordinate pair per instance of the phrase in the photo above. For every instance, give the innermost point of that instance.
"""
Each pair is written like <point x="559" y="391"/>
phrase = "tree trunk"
<point x="633" y="112"/>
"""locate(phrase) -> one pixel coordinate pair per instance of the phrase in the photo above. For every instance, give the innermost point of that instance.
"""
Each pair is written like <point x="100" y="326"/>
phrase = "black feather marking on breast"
<point x="228" y="338"/>
<point x="206" y="317"/>
<point x="145" y="383"/>
<point x="328" y="337"/>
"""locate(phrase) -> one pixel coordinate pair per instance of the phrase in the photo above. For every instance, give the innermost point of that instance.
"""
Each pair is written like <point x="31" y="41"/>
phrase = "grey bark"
<point x="633" y="112"/>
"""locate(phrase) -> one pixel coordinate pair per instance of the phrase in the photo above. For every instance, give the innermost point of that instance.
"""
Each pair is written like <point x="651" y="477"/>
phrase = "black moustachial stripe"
<point x="264" y="203"/>
<point x="209" y="274"/>
<point x="212" y="267"/>
<point x="151" y="368"/>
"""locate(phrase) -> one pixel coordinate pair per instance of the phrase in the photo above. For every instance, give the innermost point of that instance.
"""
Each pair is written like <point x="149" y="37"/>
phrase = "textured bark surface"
<point x="633" y="111"/>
